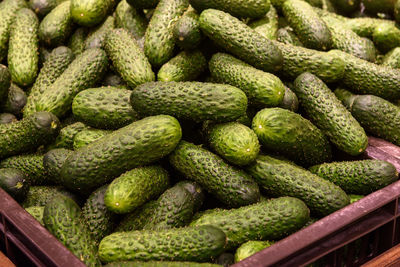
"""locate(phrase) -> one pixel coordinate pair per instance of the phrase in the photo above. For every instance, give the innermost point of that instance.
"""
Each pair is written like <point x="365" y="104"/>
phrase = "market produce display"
<point x="193" y="132"/>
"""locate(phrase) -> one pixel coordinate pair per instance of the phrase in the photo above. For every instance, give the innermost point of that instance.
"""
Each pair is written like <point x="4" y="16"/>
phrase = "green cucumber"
<point x="392" y="58"/>
<point x="88" y="136"/>
<point x="14" y="182"/>
<point x="5" y="82"/>
<point x="16" y="100"/>
<point x="290" y="100"/>
<point x="37" y="213"/>
<point x="187" y="31"/>
<point x="43" y="7"/>
<point x="6" y="118"/>
<point x="77" y="40"/>
<point x="53" y="161"/>
<point x="140" y="217"/>
<point x="386" y="37"/>
<point x="130" y="19"/>
<point x="65" y="138"/>
<point x="268" y="25"/>
<point x="97" y="36"/>
<point x="397" y="11"/>
<point x="88" y="13"/>
<point x="41" y="195"/>
<point x="249" y="248"/>
<point x="287" y="36"/>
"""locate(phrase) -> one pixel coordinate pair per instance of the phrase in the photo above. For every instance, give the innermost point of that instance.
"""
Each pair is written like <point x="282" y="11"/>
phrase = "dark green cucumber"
<point x="271" y="219"/>
<point x="159" y="39"/>
<point x="130" y="19"/>
<point x="139" y="143"/>
<point x="249" y="248"/>
<point x="82" y="73"/>
<point x="190" y="100"/>
<point x="104" y="107"/>
<point x="159" y="264"/>
<point x="309" y="27"/>
<point x="386" y="37"/>
<point x="7" y="118"/>
<point x="41" y="195"/>
<point x="263" y="89"/>
<point x="237" y="8"/>
<point x="283" y="178"/>
<point x="135" y="187"/>
<point x="37" y="213"/>
<point x="77" y="40"/>
<point x="186" y="66"/>
<point x="23" y="47"/>
<point x="99" y="220"/>
<point x="355" y="198"/>
<point x="268" y="25"/>
<point x="182" y="244"/>
<point x="143" y="4"/>
<point x="140" y="217"/>
<point x="378" y="116"/>
<point x="329" y="114"/>
<point x="392" y="58"/>
<point x="88" y="136"/>
<point x="229" y="184"/>
<point x="225" y="259"/>
<point x="61" y="217"/>
<point x="290" y="100"/>
<point x="57" y="26"/>
<point x="43" y="7"/>
<point x="16" y="100"/>
<point x="8" y="10"/>
<point x="31" y="165"/>
<point x="27" y="134"/>
<point x="53" y="161"/>
<point x="88" y="13"/>
<point x="364" y="26"/>
<point x="286" y="35"/>
<point x="328" y="66"/>
<point x="358" y="177"/>
<point x="235" y="142"/>
<point x="127" y="58"/>
<point x="57" y="62"/>
<point x="187" y="30"/>
<point x="290" y="134"/>
<point x="97" y="36"/>
<point x="65" y="138"/>
<point x="14" y="182"/>
<point x="5" y="82"/>
<point x="239" y="39"/>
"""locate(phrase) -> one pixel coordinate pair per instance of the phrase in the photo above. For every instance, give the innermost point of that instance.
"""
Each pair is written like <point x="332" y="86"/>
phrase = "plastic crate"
<point x="349" y="237"/>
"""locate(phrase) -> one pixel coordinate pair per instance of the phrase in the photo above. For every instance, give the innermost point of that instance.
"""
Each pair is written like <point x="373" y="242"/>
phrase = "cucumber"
<point x="43" y="7"/>
<point x="57" y="26"/>
<point x="271" y="219"/>
<point x="6" y="118"/>
<point x="234" y="142"/>
<point x="16" y="100"/>
<point x="61" y="217"/>
<point x="328" y="66"/>
<point x="77" y="40"/>
<point x="97" y="36"/>
<point x="230" y="185"/>
<point x="159" y="38"/>
<point x="290" y="100"/>
<point x="65" y="138"/>
<point x="88" y="13"/>
<point x="365" y="26"/>
<point x="135" y="187"/>
<point x="37" y="213"/>
<point x="88" y="136"/>
<point x="249" y="248"/>
<point x="139" y="143"/>
<point x="99" y="220"/>
<point x="143" y="4"/>
<point x="159" y="264"/>
<point x="27" y="134"/>
<point x="283" y="178"/>
<point x="14" y="182"/>
<point x="57" y="62"/>
<point x="263" y="89"/>
<point x="41" y="195"/>
<point x="308" y="26"/>
<point x="8" y="10"/>
<point x="104" y="107"/>
<point x="286" y="35"/>
<point x="127" y="58"/>
<point x="5" y="82"/>
<point x="23" y="47"/>
<point x="378" y="116"/>
<point x="358" y="177"/>
<point x="190" y="100"/>
<point x="290" y="134"/>
<point x="355" y="198"/>
<point x="186" y="66"/>
<point x="131" y="19"/>
<point x="140" y="217"/>
<point x="53" y="161"/>
<point x="238" y="8"/>
<point x="31" y="165"/>
<point x="386" y="37"/>
<point x="392" y="58"/>
<point x="268" y="25"/>
<point x="329" y="114"/>
<point x="182" y="244"/>
<point x="187" y="30"/>
<point x="239" y="39"/>
<point x="82" y="73"/>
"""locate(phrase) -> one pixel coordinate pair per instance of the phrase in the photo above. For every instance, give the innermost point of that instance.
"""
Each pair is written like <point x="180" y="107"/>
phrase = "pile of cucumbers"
<point x="182" y="132"/>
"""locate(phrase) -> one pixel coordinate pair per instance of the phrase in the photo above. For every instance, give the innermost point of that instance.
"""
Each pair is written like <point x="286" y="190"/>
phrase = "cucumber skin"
<point x="88" y="136"/>
<point x="239" y="39"/>
<point x="16" y="100"/>
<point x="53" y="161"/>
<point x="97" y="36"/>
<point x="131" y="19"/>
<point x="131" y="146"/>
<point x="6" y="118"/>
<point x="15" y="183"/>
<point x="41" y="195"/>
<point x="143" y="4"/>
<point x="88" y="13"/>
<point x="187" y="31"/>
<point x="5" y="82"/>
<point x="23" y="47"/>
<point x="65" y="138"/>
<point x="37" y="213"/>
<point x="229" y="184"/>
<point x="392" y="58"/>
<point x="250" y="248"/>
<point x="267" y="26"/>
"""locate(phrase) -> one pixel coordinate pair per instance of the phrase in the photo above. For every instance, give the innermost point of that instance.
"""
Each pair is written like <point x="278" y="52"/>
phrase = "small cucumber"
<point x="37" y="213"/>
<point x="392" y="58"/>
<point x="53" y="161"/>
<point x="16" y="100"/>
<point x="131" y="19"/>
<point x="43" y="7"/>
<point x="77" y="41"/>
<point x="14" y="182"/>
<point x="249" y="248"/>
<point x="65" y="138"/>
<point x="290" y="100"/>
<point x="97" y="36"/>
<point x="268" y="25"/>
<point x="187" y="30"/>
<point x="41" y="195"/>
<point x="88" y="136"/>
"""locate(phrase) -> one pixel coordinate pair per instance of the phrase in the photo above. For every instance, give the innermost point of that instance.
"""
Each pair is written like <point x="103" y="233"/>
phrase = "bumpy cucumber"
<point x="329" y="114"/>
<point x="135" y="187"/>
<point x="187" y="31"/>
<point x="41" y="195"/>
<point x="239" y="39"/>
<point x="88" y="136"/>
<point x="283" y="178"/>
<point x="23" y="47"/>
<point x="139" y="143"/>
<point x="97" y="36"/>
<point x="90" y="12"/>
<point x="104" y="107"/>
<point x="77" y="40"/>
<point x="53" y="161"/>
<point x="263" y="89"/>
<point x="268" y="25"/>
<point x="16" y="100"/>
<point x="43" y="7"/>
<point x="392" y="58"/>
<point x="5" y="82"/>
<point x="27" y="134"/>
<point x="139" y="218"/>
<point x="7" y="118"/>
<point x="114" y="80"/>
<point x="182" y="244"/>
<point x="230" y="185"/>
<point x="190" y="100"/>
<point x="287" y="36"/>
<point x="249" y="248"/>
<point x="65" y="138"/>
<point x="131" y="19"/>
<point x="127" y="58"/>
<point x="386" y="37"/>
<point x="14" y="182"/>
<point x="290" y="134"/>
<point x="290" y="100"/>
<point x="271" y="219"/>
<point x="37" y="213"/>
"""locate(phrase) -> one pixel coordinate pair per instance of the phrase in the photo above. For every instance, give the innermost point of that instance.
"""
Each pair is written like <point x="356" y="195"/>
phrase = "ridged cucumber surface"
<point x="14" y="182"/>
<point x="187" y="30"/>
<point x="88" y="136"/>
<point x="131" y="19"/>
<point x="53" y="161"/>
<point x="97" y="35"/>
<point x="16" y="100"/>
<point x="88" y="13"/>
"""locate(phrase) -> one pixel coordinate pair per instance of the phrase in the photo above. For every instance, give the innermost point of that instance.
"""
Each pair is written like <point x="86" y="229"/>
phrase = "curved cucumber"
<point x="14" y="182"/>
